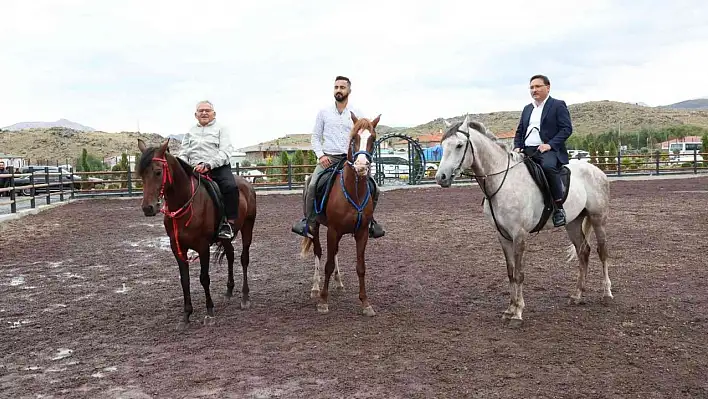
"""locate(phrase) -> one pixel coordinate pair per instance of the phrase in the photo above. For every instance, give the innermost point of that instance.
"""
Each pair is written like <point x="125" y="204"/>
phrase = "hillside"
<point x="60" y="144"/>
<point x="588" y="118"/>
<point x="61" y="123"/>
<point x="698" y="103"/>
<point x="593" y="117"/>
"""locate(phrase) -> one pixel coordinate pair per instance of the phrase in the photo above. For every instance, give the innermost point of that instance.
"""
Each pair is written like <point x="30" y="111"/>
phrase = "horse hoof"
<point x="181" y="326"/>
<point x="576" y="301"/>
<point x="340" y="287"/>
<point x="228" y="294"/>
<point x="506" y="316"/>
<point x="369" y="311"/>
<point x="245" y="304"/>
<point x="209" y="320"/>
<point x="314" y="293"/>
<point x="608" y="300"/>
<point x="322" y="307"/>
<point x="515" y="323"/>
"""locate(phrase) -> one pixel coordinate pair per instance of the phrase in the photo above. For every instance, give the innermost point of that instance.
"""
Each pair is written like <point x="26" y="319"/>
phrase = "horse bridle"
<point x="483" y="178"/>
<point x="167" y="178"/>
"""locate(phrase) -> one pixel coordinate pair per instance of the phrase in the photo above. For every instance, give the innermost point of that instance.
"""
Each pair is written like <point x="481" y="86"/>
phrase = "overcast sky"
<point x="269" y="65"/>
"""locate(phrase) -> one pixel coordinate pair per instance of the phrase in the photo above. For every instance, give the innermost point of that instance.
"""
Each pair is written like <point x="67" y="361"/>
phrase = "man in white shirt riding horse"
<point x="330" y="142"/>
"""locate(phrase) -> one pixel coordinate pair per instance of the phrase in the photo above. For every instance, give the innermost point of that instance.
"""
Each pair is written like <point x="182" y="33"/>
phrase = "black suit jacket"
<point x="556" y="127"/>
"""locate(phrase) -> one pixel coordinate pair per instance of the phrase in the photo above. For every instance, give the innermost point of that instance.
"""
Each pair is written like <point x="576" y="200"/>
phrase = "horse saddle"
<point x="539" y="176"/>
<point x="213" y="189"/>
<point x="324" y="183"/>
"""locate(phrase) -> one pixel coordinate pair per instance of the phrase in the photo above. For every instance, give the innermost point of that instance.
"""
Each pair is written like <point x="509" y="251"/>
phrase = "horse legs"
<point x="508" y="248"/>
<point x="246" y="238"/>
<point x="184" y="280"/>
<point x="333" y="238"/>
<point x="205" y="280"/>
<point x="517" y="288"/>
<point x="337" y="274"/>
<point x="317" y="249"/>
<point x="229" y="252"/>
<point x="582" y="249"/>
<point x="598" y="223"/>
<point x="362" y="237"/>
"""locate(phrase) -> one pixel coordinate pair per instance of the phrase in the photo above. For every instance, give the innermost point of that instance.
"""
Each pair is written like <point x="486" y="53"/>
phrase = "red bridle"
<point x="187" y="207"/>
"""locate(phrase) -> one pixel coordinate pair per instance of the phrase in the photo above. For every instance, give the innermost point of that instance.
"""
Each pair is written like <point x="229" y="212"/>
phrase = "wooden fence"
<point x="46" y="183"/>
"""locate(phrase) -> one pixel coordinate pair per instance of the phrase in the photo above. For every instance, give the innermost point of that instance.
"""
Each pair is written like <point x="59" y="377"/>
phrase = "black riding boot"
<point x="375" y="229"/>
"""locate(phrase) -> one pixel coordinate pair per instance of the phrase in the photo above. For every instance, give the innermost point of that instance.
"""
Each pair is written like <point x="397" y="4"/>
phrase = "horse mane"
<point x="149" y="154"/>
<point x="362" y="124"/>
<point x="479" y="126"/>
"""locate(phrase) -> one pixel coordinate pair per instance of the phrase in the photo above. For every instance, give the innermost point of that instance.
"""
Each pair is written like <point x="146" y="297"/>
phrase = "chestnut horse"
<point x="191" y="220"/>
<point x="348" y="210"/>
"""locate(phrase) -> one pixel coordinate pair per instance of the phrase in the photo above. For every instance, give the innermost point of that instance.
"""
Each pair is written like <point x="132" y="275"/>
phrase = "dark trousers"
<point x="551" y="167"/>
<point x="224" y="178"/>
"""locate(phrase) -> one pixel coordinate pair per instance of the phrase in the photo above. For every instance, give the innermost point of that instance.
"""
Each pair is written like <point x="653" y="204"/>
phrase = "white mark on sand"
<point x="15" y="281"/>
<point x="122" y="290"/>
<point x="18" y="323"/>
<point x="63" y="353"/>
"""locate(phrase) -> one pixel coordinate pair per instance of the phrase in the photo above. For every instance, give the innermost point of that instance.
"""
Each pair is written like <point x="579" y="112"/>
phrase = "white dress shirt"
<point x="330" y="134"/>
<point x="533" y="132"/>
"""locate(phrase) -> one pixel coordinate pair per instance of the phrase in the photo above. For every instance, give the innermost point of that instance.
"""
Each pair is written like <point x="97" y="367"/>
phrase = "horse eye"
<point x="158" y="172"/>
<point x="459" y="146"/>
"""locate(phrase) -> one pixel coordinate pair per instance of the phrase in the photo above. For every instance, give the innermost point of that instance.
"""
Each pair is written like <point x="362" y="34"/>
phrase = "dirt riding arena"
<point x="90" y="300"/>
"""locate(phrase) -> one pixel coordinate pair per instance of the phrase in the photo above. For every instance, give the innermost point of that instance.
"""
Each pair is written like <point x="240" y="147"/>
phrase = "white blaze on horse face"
<point x="361" y="162"/>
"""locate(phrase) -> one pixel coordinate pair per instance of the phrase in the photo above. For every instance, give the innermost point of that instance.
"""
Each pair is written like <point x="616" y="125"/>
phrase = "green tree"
<point x="84" y="161"/>
<point x="704" y="145"/>
<point x="299" y="170"/>
<point x="284" y="161"/>
<point x="612" y="152"/>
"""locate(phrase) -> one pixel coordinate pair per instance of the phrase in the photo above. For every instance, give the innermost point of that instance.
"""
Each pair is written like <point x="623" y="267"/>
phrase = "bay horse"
<point x="514" y="204"/>
<point x="191" y="220"/>
<point x="348" y="210"/>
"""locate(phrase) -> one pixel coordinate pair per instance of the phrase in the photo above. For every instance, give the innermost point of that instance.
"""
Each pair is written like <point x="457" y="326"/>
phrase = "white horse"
<point x="514" y="204"/>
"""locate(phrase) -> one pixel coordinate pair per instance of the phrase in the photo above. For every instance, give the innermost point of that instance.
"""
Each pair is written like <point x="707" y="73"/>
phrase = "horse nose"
<point x="149" y="210"/>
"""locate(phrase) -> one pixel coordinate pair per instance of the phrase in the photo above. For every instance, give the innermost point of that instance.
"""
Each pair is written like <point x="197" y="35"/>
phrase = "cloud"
<point x="268" y="66"/>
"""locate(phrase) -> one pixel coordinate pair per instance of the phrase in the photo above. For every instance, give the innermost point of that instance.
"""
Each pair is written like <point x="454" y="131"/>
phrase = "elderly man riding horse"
<point x="330" y="141"/>
<point x="207" y="147"/>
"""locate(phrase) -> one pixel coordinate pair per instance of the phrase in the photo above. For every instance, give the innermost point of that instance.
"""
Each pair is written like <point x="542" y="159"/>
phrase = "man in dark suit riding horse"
<point x="543" y="128"/>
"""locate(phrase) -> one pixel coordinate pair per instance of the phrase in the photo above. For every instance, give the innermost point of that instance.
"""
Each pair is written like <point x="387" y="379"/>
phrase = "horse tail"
<point x="305" y="247"/>
<point x="587" y="229"/>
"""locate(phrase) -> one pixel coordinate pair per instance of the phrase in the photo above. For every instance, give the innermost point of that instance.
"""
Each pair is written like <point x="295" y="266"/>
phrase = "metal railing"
<point x="46" y="183"/>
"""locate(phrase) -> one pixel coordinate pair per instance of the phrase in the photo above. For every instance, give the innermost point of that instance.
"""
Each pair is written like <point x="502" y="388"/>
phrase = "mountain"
<point x="64" y="123"/>
<point x="697" y="103"/>
<point x="61" y="144"/>
<point x="592" y="117"/>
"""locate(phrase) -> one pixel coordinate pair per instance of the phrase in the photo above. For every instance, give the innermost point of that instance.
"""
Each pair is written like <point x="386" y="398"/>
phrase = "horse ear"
<point x="354" y="118"/>
<point x="466" y="122"/>
<point x="141" y="145"/>
<point x="447" y="124"/>
<point x="376" y="121"/>
<point x="164" y="148"/>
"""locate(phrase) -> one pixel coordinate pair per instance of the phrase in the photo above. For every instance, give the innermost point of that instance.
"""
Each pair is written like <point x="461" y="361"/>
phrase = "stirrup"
<point x="223" y="233"/>
<point x="375" y="230"/>
<point x="302" y="228"/>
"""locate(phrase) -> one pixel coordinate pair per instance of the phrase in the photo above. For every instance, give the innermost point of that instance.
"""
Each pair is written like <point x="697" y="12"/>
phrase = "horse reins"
<point x="359" y="208"/>
<point x="483" y="178"/>
<point x="187" y="207"/>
